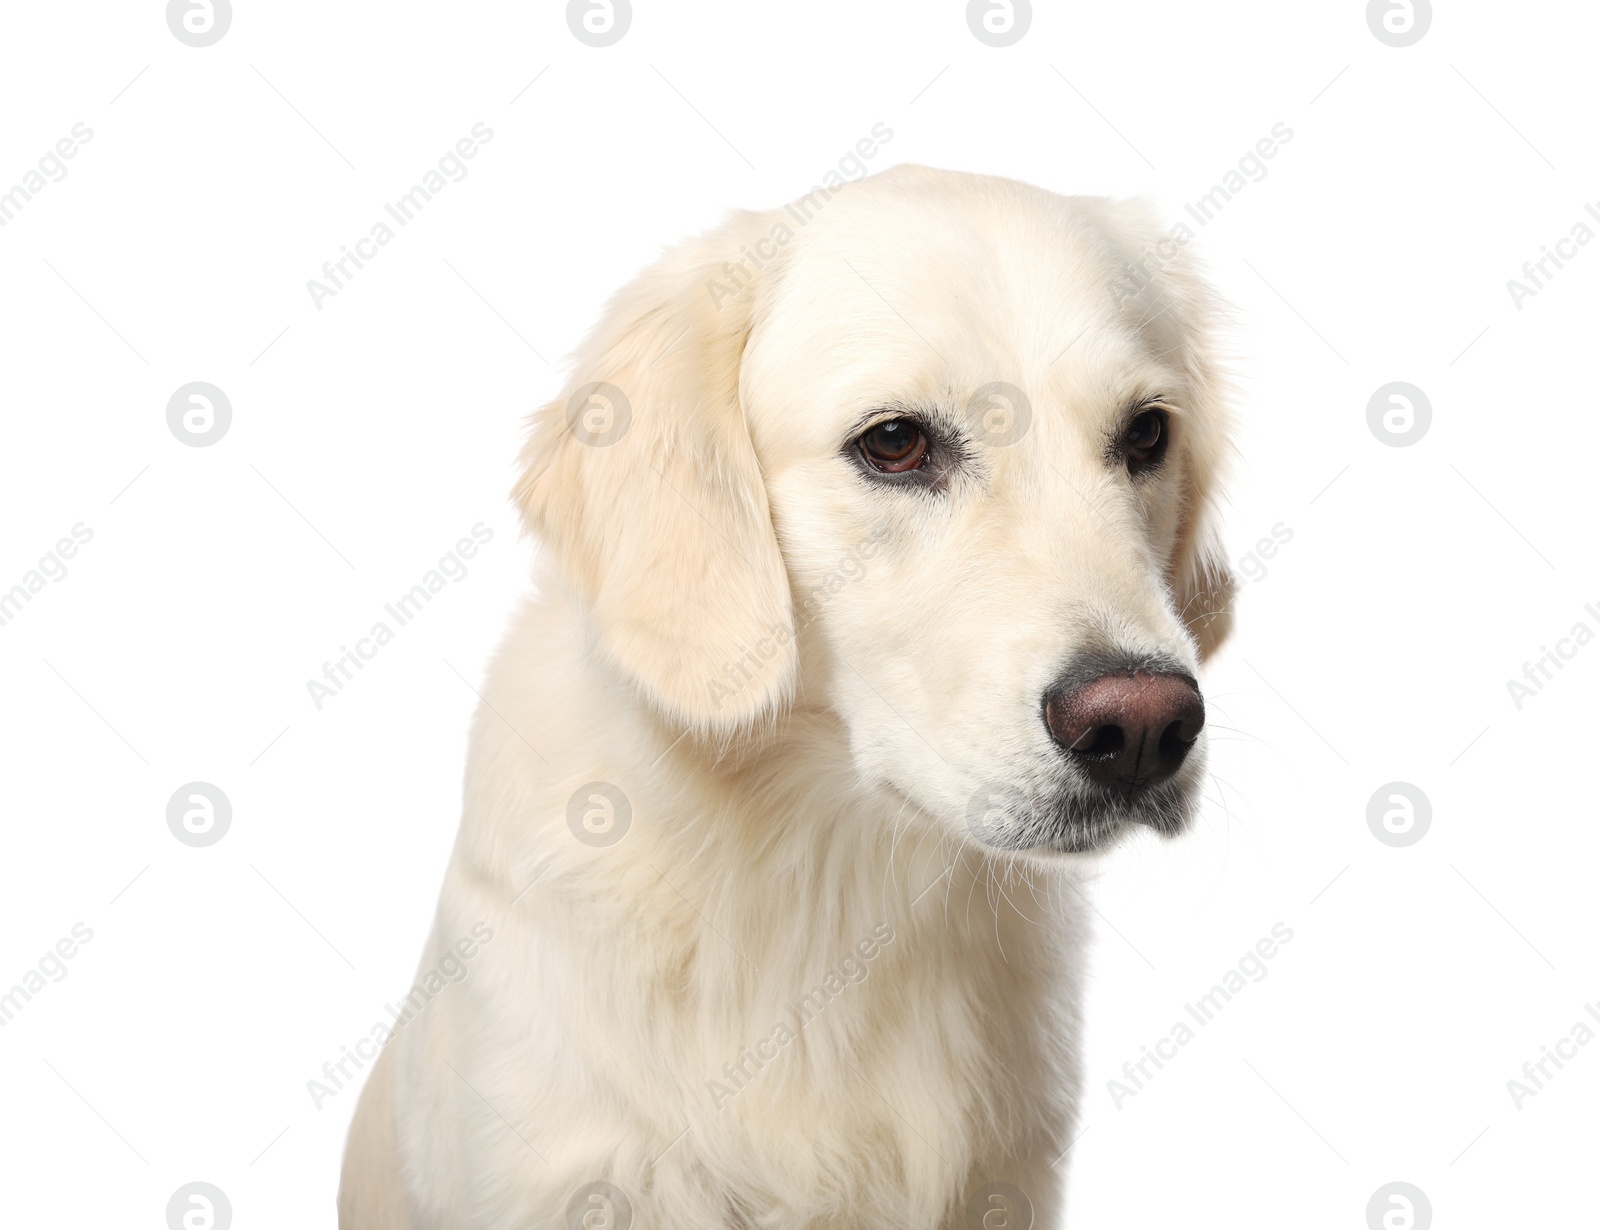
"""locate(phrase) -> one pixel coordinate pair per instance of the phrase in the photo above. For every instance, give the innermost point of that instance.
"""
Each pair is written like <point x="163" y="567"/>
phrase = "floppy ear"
<point x="1157" y="284"/>
<point x="642" y="480"/>
<point x="1202" y="583"/>
<point x="1201" y="578"/>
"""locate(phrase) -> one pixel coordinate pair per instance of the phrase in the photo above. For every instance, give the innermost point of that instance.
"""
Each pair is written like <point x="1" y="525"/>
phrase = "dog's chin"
<point x="1089" y="822"/>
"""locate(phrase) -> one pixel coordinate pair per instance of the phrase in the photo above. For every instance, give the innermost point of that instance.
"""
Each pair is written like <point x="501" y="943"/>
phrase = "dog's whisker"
<point x="891" y="874"/>
<point x="994" y="905"/>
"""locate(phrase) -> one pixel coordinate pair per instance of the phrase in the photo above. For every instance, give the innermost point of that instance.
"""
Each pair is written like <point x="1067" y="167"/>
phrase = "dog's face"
<point x="927" y="455"/>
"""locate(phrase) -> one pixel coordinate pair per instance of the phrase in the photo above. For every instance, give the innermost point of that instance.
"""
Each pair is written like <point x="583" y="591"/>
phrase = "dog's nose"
<point x="1130" y="728"/>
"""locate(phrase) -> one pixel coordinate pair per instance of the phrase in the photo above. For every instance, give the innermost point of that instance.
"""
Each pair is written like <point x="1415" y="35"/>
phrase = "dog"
<point x="880" y="559"/>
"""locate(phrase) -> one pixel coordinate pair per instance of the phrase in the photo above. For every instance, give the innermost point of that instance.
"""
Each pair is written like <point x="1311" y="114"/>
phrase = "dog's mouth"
<point x="1166" y="812"/>
<point x="1077" y="820"/>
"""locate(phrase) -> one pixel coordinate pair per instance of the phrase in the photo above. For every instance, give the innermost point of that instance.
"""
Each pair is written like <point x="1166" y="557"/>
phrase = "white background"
<point x="369" y="435"/>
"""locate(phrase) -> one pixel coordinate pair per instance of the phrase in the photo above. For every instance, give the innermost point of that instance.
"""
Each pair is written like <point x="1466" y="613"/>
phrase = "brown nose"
<point x="1128" y="729"/>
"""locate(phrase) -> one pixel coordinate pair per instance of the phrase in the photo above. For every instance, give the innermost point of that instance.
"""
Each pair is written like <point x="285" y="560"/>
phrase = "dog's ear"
<point x="642" y="479"/>
<point x="1201" y="578"/>
<point x="1159" y="287"/>
<point x="1202" y="583"/>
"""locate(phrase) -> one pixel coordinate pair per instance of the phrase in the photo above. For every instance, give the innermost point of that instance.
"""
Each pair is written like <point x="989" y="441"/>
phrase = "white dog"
<point x="880" y="566"/>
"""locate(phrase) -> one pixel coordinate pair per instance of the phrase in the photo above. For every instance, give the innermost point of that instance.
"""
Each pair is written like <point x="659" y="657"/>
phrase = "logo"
<point x="199" y="814"/>
<point x="999" y="23"/>
<point x="199" y="1206"/>
<point x="999" y="1206"/>
<point x="1399" y="814"/>
<point x="599" y="814"/>
<point x="199" y="414"/>
<point x="1399" y="1206"/>
<point x="599" y="23"/>
<point x="1399" y="414"/>
<point x="199" y="23"/>
<point x="599" y="1206"/>
<point x="599" y="414"/>
<point x="1399" y="23"/>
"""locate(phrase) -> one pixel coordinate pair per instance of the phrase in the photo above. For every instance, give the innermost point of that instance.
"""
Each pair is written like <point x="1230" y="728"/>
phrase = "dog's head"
<point x="936" y="453"/>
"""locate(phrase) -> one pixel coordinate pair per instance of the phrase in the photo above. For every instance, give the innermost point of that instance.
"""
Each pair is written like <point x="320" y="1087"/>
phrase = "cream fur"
<point x="800" y="681"/>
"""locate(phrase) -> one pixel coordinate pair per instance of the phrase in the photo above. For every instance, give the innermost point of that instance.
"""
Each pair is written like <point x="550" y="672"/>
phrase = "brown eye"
<point x="1145" y="440"/>
<point x="894" y="446"/>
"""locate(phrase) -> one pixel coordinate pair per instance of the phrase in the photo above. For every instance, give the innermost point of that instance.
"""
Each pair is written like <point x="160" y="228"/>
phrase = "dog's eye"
<point x="1145" y="440"/>
<point x="894" y="446"/>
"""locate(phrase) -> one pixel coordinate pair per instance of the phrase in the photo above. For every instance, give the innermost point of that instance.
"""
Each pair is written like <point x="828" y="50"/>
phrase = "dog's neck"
<point x="769" y="938"/>
<point x="822" y="859"/>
